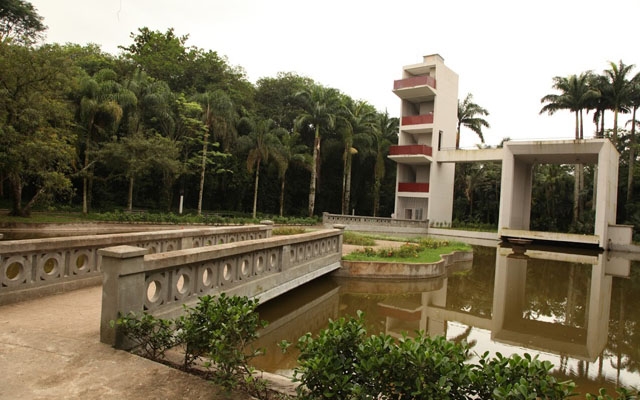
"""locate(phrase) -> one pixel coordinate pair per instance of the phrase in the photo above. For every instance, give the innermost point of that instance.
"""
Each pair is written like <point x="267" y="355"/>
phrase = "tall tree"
<point x="20" y="22"/>
<point x="320" y="108"/>
<point x="384" y="134"/>
<point x="218" y="116"/>
<point x="101" y="108"/>
<point x="290" y="152"/>
<point x="36" y="150"/>
<point x="576" y="94"/>
<point x="634" y="103"/>
<point x="137" y="155"/>
<point x="262" y="141"/>
<point x="358" y="118"/>
<point x="470" y="116"/>
<point x="161" y="55"/>
<point x="620" y="90"/>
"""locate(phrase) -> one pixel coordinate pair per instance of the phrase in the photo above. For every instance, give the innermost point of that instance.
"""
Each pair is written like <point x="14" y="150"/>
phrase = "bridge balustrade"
<point x="37" y="267"/>
<point x="160" y="284"/>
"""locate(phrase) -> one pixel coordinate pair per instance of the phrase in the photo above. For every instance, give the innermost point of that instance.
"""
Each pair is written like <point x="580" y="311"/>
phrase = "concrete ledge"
<point x="401" y="270"/>
<point x="48" y="289"/>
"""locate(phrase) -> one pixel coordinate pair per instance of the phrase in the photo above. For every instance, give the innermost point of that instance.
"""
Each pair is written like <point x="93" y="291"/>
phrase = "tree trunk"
<point x="346" y="183"/>
<point x="282" y="181"/>
<point x="632" y="156"/>
<point x="130" y="196"/>
<point x="376" y="197"/>
<point x="255" y="190"/>
<point x="16" y="194"/>
<point x="314" y="172"/>
<point x="203" y="168"/>
<point x="576" y="192"/>
<point x="85" y="180"/>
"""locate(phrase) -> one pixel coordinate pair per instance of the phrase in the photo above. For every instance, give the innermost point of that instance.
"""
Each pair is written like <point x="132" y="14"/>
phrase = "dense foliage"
<point x="216" y="334"/>
<point x="345" y="362"/>
<point x="165" y="122"/>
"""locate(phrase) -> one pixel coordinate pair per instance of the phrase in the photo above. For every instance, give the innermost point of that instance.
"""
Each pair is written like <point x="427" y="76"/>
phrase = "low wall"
<point x="376" y="224"/>
<point x="39" y="267"/>
<point x="400" y="270"/>
<point x="161" y="284"/>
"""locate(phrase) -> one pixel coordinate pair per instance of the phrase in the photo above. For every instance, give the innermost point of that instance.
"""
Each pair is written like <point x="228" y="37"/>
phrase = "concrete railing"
<point x="160" y="284"/>
<point x="376" y="224"/>
<point x="38" y="267"/>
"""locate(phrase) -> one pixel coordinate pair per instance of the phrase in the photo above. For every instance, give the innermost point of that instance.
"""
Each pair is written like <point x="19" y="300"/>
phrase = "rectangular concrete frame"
<point x="515" y="197"/>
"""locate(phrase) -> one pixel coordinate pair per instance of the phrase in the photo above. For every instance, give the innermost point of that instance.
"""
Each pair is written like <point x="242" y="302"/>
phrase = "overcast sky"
<point x="505" y="52"/>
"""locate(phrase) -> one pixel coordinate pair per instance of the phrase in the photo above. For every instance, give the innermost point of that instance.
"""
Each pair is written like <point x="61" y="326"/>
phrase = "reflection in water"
<point x="579" y="311"/>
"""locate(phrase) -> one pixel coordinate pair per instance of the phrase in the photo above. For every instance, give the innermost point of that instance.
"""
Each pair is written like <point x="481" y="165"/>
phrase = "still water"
<point x="579" y="311"/>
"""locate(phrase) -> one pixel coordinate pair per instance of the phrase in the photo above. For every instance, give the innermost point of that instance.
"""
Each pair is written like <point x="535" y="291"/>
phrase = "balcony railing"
<point x="413" y="187"/>
<point x="411" y="149"/>
<point x="418" y="119"/>
<point x="414" y="81"/>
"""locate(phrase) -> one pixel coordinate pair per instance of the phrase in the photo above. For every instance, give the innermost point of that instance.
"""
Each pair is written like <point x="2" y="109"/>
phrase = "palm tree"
<point x="576" y="94"/>
<point x="290" y="152"/>
<point x="634" y="103"/>
<point x="217" y="116"/>
<point x="263" y="142"/>
<point x="620" y="90"/>
<point x="320" y="105"/>
<point x="359" y="119"/>
<point x="384" y="134"/>
<point x="469" y="116"/>
<point x="101" y="108"/>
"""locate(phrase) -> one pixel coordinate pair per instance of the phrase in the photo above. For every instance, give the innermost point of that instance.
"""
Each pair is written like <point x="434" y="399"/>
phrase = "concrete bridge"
<point x="49" y="345"/>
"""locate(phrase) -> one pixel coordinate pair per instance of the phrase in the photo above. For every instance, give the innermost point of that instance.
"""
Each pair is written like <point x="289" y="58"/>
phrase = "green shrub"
<point x="151" y="337"/>
<point x="344" y="362"/>
<point x="517" y="377"/>
<point x="218" y="330"/>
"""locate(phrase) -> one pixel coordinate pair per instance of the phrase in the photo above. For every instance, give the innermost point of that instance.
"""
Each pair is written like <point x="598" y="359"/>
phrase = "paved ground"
<point x="50" y="349"/>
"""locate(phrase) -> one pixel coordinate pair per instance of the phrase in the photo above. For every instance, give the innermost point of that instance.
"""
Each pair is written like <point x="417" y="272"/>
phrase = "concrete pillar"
<point x="123" y="288"/>
<point x="269" y="225"/>
<point x="340" y="238"/>
<point x="509" y="291"/>
<point x="607" y="192"/>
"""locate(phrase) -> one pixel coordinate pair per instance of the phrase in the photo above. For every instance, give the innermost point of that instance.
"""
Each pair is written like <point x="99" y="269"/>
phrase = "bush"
<point x="343" y="362"/>
<point x="217" y="330"/>
<point x="151" y="337"/>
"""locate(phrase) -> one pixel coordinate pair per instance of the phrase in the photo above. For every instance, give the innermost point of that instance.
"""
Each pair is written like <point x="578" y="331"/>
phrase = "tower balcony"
<point x="413" y="187"/>
<point x="411" y="154"/>
<point x="416" y="88"/>
<point x="417" y="123"/>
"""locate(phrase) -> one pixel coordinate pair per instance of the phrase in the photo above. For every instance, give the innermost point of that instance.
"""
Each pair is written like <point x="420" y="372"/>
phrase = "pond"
<point x="579" y="310"/>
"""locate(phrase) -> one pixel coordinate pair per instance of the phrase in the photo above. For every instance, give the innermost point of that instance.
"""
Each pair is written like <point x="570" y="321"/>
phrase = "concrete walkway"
<point x="50" y="349"/>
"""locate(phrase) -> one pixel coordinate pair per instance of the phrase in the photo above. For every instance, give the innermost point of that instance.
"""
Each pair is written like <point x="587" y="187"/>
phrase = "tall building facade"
<point x="428" y="92"/>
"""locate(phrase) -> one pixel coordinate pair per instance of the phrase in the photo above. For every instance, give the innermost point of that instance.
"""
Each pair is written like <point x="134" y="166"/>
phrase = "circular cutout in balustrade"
<point x="14" y="272"/>
<point x="259" y="264"/>
<point x="244" y="267"/>
<point x="226" y="272"/>
<point x="153" y="291"/>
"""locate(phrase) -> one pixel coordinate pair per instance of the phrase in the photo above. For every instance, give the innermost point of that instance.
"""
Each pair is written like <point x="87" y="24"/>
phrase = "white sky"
<point x="505" y="52"/>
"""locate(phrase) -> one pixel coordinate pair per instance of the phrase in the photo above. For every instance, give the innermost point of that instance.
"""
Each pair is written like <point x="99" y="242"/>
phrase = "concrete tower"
<point x="429" y="109"/>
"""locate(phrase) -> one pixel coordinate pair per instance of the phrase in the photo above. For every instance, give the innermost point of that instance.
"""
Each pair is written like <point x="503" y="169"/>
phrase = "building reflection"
<point x="562" y="305"/>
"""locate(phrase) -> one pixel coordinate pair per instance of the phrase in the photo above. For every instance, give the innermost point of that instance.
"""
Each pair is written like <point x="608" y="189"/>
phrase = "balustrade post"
<point x="342" y="228"/>
<point x="123" y="288"/>
<point x="269" y="225"/>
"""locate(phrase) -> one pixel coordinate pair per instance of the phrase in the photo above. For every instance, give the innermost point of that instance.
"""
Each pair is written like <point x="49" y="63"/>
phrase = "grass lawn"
<point x="422" y="251"/>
